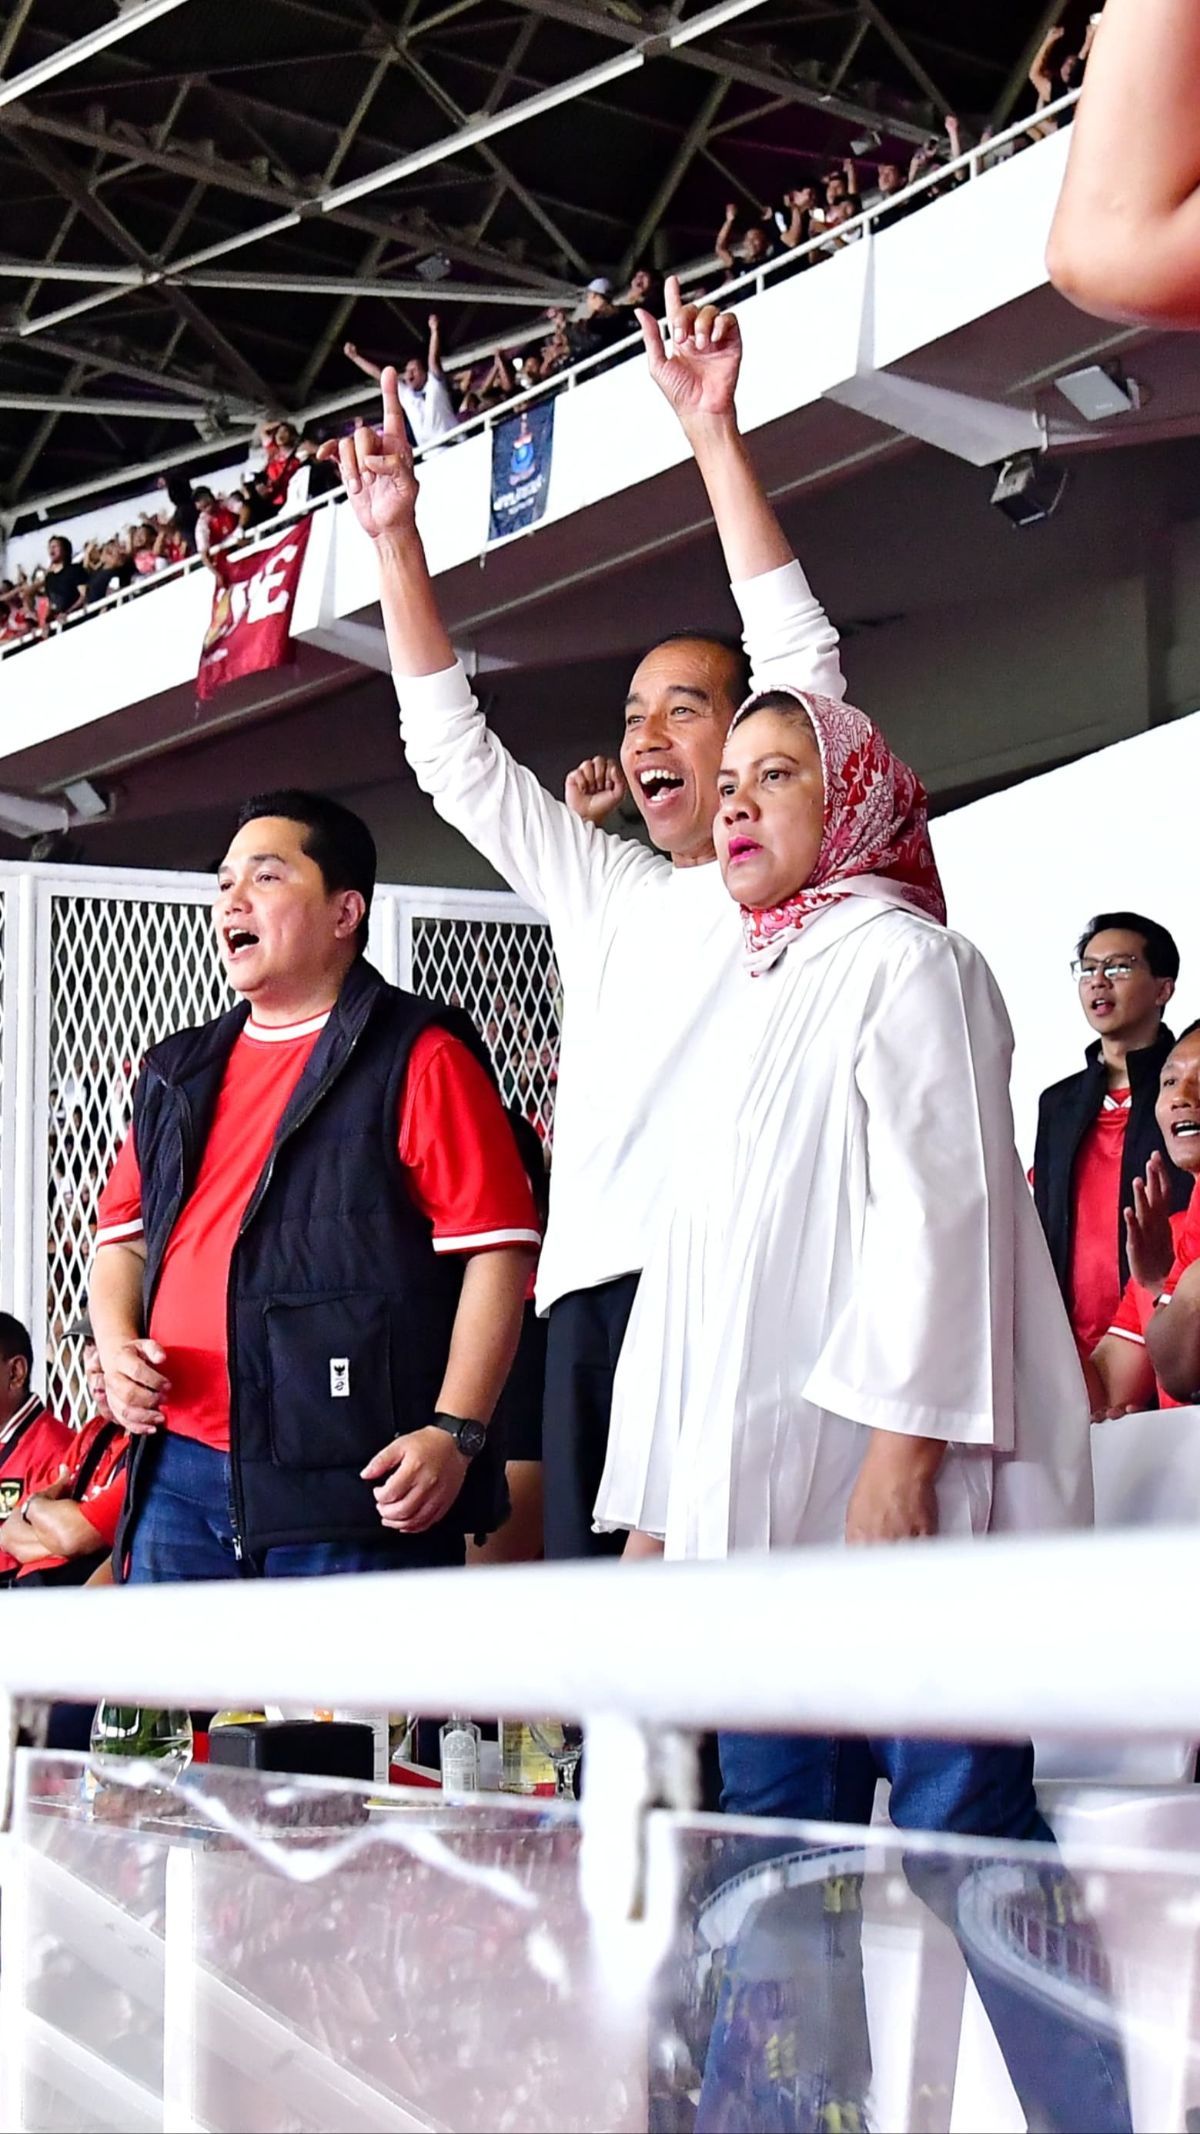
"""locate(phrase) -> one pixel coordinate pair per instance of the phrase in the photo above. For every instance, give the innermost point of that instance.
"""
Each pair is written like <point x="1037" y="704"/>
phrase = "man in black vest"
<point x="313" y="1249"/>
<point x="1096" y="1129"/>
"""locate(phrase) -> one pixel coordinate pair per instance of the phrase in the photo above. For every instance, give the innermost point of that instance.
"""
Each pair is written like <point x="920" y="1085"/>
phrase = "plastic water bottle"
<point x="126" y="1731"/>
<point x="459" y="1740"/>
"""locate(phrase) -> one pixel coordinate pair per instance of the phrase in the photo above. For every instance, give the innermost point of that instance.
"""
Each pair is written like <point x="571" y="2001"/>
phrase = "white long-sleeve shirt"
<point x="644" y="948"/>
<point x="858" y="1251"/>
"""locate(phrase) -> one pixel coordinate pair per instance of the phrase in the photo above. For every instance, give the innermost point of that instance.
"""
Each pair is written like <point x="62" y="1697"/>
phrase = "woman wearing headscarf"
<point x="850" y="1330"/>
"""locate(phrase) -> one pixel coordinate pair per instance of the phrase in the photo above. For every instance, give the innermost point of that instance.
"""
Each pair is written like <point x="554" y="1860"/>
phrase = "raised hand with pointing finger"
<point x="699" y="375"/>
<point x="377" y="467"/>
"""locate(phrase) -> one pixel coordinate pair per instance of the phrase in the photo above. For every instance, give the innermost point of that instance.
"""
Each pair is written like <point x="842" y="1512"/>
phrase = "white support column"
<point x="17" y="1077"/>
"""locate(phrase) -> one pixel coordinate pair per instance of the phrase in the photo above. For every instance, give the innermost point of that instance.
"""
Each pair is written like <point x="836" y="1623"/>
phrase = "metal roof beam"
<point x="453" y="110"/>
<point x="95" y="404"/>
<point x="54" y="270"/>
<point x="103" y="363"/>
<point x="42" y="435"/>
<point x="73" y="55"/>
<point x="850" y="53"/>
<point x="681" y="162"/>
<point x="12" y="30"/>
<point x="482" y="129"/>
<point x="731" y="177"/>
<point x="906" y="56"/>
<point x="346" y="138"/>
<point x="730" y="60"/>
<point x="339" y="321"/>
<point x="749" y="118"/>
<point x="232" y="177"/>
<point x="102" y="218"/>
<point x="354" y="285"/>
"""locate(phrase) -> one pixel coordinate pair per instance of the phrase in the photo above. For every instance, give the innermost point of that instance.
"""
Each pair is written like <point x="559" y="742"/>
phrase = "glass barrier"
<point x="240" y="1952"/>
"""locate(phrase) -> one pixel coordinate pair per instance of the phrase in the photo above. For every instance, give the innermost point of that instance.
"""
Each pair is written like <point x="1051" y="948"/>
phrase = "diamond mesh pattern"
<point x="124" y="974"/>
<point x="502" y="971"/>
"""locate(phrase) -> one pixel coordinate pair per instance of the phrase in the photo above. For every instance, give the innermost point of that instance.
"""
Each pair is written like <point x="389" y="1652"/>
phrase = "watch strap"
<point x="460" y="1428"/>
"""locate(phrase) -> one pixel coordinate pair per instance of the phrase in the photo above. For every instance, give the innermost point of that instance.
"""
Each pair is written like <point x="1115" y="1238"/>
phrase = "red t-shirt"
<point x="103" y="1493"/>
<point x="1094" y="1287"/>
<point x="455" y="1144"/>
<point x="1136" y="1309"/>
<point x="33" y="1448"/>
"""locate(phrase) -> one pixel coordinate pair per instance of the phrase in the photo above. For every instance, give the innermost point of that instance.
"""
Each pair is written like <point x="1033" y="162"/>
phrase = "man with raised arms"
<point x="644" y="939"/>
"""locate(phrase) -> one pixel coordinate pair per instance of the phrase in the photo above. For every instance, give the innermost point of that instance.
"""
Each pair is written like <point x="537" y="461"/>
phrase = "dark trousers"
<point x="796" y="1967"/>
<point x="184" y="1532"/>
<point x="586" y="1330"/>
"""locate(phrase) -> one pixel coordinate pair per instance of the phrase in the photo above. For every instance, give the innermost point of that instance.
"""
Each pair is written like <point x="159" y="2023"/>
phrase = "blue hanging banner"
<point x="522" y="451"/>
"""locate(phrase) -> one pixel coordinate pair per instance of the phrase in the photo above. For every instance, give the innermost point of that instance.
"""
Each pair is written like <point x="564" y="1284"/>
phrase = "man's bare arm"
<point x="1125" y="241"/>
<point x="133" y="1380"/>
<point x="63" y="1527"/>
<point x="895" y="1498"/>
<point x="1173" y="1337"/>
<point x="419" y="1476"/>
<point x="1120" y="1378"/>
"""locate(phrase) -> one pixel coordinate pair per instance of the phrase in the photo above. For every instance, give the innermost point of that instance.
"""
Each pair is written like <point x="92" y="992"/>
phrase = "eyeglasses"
<point x="1117" y="967"/>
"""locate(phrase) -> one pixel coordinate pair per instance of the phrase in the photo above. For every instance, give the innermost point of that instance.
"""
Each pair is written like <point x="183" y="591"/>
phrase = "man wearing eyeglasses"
<point x="1096" y="1129"/>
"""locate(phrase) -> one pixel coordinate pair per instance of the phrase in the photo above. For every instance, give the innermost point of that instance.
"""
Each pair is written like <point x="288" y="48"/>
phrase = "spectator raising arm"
<point x="788" y="635"/>
<point x="552" y="859"/>
<point x="1042" y="77"/>
<point x="362" y="363"/>
<point x="724" y="241"/>
<point x="1125" y="242"/>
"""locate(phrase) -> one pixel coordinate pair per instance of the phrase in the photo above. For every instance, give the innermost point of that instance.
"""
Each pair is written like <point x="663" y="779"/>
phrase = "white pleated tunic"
<point x="855" y="1249"/>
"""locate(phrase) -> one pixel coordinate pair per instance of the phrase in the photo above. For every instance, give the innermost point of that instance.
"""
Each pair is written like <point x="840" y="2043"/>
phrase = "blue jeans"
<point x="789" y="2049"/>
<point x="184" y="1531"/>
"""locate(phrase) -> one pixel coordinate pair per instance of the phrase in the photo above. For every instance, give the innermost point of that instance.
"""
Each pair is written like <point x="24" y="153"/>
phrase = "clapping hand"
<point x="699" y="376"/>
<point x="1148" y="1237"/>
<point x="595" y="789"/>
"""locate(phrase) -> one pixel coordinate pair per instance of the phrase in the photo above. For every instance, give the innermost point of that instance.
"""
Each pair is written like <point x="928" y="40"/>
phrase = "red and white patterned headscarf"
<point x="876" y="838"/>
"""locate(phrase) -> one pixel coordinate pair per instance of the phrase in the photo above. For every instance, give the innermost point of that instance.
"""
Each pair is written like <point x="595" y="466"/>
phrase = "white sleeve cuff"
<point x="120" y="1233"/>
<point x="789" y="639"/>
<point x="763" y="600"/>
<point x="488" y="1241"/>
<point x="434" y="695"/>
<point x="1125" y="1333"/>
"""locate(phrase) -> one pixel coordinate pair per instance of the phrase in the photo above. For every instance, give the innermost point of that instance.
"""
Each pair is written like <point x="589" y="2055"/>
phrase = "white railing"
<point x="1066" y="1635"/>
<point x="972" y="164"/>
<point x="97" y="963"/>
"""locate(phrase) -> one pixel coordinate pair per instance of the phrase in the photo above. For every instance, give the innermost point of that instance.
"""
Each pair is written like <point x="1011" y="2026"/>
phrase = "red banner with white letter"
<point x="250" y="627"/>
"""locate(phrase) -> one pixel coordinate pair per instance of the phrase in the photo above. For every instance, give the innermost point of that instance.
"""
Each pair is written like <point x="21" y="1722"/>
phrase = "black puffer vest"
<point x="340" y="1311"/>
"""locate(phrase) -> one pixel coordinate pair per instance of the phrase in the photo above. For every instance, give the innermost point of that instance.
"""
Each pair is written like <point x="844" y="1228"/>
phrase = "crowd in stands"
<point x="194" y="520"/>
<point x="806" y="220"/>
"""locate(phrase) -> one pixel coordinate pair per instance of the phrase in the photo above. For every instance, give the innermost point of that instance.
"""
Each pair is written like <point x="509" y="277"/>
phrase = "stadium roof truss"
<point x="202" y="201"/>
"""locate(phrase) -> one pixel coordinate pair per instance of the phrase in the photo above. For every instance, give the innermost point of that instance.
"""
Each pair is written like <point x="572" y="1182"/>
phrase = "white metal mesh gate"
<point x="502" y="972"/>
<point x="95" y="966"/>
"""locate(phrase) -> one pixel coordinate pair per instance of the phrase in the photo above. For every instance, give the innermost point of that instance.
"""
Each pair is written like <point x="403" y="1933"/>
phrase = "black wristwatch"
<point x="470" y="1437"/>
